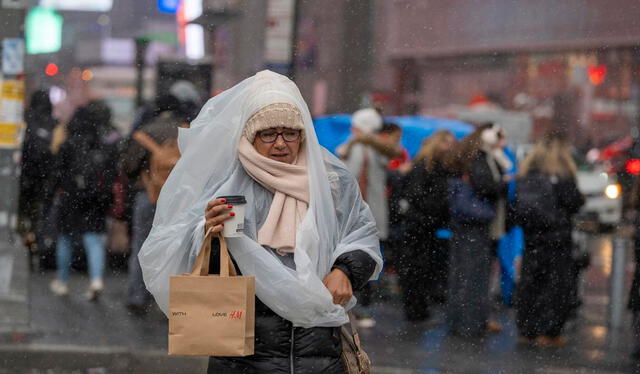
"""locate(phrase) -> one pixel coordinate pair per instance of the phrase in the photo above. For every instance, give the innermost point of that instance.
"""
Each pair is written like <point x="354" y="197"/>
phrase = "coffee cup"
<point x="234" y="226"/>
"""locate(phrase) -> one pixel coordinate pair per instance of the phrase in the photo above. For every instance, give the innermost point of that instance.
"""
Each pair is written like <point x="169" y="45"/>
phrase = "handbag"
<point x="465" y="205"/>
<point x="211" y="315"/>
<point x="356" y="360"/>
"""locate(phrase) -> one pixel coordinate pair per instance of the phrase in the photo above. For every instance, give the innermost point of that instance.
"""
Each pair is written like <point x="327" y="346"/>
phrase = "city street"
<point x="71" y="335"/>
<point x="496" y="142"/>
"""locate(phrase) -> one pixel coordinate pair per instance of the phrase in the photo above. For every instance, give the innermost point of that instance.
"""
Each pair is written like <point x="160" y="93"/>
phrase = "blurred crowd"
<point x="461" y="216"/>
<point x="455" y="217"/>
<point x="85" y="186"/>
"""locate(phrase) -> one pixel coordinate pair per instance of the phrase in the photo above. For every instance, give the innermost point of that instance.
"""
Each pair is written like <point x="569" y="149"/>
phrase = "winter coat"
<point x="468" y="306"/>
<point x="482" y="179"/>
<point x="36" y="162"/>
<point x="83" y="175"/>
<point x="422" y="259"/>
<point x="568" y="201"/>
<point x="426" y="192"/>
<point x="634" y="292"/>
<point x="282" y="348"/>
<point x="544" y="297"/>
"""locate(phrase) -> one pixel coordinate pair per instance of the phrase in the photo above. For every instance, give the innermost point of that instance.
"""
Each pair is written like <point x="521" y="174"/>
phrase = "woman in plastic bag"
<point x="309" y="239"/>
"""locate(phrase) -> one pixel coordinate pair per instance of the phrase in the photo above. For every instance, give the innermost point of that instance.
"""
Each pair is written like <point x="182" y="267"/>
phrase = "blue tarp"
<point x="511" y="246"/>
<point x="334" y="130"/>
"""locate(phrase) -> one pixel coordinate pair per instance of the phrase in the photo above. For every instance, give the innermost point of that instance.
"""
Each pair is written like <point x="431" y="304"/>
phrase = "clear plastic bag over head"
<point x="337" y="221"/>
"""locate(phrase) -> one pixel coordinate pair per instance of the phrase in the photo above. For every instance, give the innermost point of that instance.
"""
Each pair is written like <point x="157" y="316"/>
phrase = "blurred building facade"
<point x="572" y="64"/>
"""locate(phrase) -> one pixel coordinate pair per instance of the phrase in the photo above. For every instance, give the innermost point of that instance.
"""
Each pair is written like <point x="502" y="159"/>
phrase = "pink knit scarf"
<point x="290" y="185"/>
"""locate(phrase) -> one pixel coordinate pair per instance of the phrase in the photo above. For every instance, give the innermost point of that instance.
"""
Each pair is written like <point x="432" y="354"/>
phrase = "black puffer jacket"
<point x="282" y="348"/>
<point x="84" y="172"/>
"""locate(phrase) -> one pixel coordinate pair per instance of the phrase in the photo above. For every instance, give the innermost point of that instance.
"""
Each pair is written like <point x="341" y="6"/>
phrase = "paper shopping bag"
<point x="211" y="315"/>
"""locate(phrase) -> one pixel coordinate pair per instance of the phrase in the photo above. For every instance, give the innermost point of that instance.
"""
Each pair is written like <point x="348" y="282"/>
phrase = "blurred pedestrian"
<point x="423" y="257"/>
<point x="136" y="163"/>
<point x="510" y="246"/>
<point x="164" y="102"/>
<point x="82" y="177"/>
<point x="36" y="164"/>
<point x="634" y="291"/>
<point x="188" y="97"/>
<point x="476" y="223"/>
<point x="547" y="199"/>
<point x="397" y="168"/>
<point x="367" y="155"/>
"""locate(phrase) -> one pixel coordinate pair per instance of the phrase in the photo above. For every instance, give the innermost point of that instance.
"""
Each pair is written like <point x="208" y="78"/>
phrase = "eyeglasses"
<point x="270" y="136"/>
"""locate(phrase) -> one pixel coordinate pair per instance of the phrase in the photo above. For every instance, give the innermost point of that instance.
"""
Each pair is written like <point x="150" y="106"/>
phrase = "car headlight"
<point x="613" y="191"/>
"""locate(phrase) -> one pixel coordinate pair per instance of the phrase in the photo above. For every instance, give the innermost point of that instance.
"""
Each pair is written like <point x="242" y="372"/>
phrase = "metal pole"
<point x="616" y="295"/>
<point x="141" y="51"/>
<point x="14" y="262"/>
<point x="291" y="73"/>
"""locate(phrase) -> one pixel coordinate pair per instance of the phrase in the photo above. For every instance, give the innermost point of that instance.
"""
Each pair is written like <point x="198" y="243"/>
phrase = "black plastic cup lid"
<point x="236" y="199"/>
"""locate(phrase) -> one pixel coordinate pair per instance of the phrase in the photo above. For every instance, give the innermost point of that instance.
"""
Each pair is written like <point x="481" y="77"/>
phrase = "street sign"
<point x="14" y="4"/>
<point x="12" y="56"/>
<point x="11" y="113"/>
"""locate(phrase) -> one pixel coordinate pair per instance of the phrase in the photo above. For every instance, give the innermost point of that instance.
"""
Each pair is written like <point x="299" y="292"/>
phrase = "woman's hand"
<point x="339" y="286"/>
<point x="216" y="213"/>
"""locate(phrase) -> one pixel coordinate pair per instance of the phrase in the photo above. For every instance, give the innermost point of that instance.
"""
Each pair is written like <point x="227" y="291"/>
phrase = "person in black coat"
<point x="423" y="259"/>
<point x="473" y="241"/>
<point x="547" y="198"/>
<point x="634" y="291"/>
<point x="82" y="178"/>
<point x="36" y="164"/>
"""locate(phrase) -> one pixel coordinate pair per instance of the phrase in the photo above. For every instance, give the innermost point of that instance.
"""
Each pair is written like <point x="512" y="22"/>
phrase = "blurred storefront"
<point x="572" y="65"/>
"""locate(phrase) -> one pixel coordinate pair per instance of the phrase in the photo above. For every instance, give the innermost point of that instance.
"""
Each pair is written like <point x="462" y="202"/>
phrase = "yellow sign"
<point x="11" y="113"/>
<point x="10" y="135"/>
<point x="13" y="90"/>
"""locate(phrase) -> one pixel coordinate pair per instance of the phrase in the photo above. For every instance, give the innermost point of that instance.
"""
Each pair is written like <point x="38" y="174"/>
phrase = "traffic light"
<point x="597" y="74"/>
<point x="51" y="69"/>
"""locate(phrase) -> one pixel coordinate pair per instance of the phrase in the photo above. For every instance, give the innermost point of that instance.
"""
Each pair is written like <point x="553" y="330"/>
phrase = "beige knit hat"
<point x="274" y="115"/>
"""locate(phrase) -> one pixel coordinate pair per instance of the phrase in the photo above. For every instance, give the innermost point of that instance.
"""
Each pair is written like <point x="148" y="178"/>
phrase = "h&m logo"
<point x="236" y="314"/>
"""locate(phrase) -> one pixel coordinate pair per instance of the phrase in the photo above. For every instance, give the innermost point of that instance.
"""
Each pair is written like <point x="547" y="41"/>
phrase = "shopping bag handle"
<point x="201" y="267"/>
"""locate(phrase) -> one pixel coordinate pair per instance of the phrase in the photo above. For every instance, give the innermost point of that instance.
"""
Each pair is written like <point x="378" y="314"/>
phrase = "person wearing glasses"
<point x="309" y="238"/>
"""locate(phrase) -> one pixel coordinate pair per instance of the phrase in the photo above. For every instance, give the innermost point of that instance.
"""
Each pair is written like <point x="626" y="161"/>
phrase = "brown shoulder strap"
<point x="354" y="332"/>
<point x="146" y="141"/>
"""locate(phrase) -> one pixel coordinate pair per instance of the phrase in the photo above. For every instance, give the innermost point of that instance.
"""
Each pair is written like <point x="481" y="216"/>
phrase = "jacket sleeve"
<point x="59" y="172"/>
<point x="133" y="159"/>
<point x="483" y="182"/>
<point x="358" y="266"/>
<point x="426" y="193"/>
<point x="569" y="196"/>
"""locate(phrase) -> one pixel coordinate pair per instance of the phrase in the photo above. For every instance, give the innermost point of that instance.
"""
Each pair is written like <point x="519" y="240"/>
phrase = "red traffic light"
<point x="633" y="166"/>
<point x="597" y="74"/>
<point x="51" y="69"/>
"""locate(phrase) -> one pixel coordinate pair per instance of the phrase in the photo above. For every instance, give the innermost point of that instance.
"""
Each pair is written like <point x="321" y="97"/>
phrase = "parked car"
<point x="602" y="210"/>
